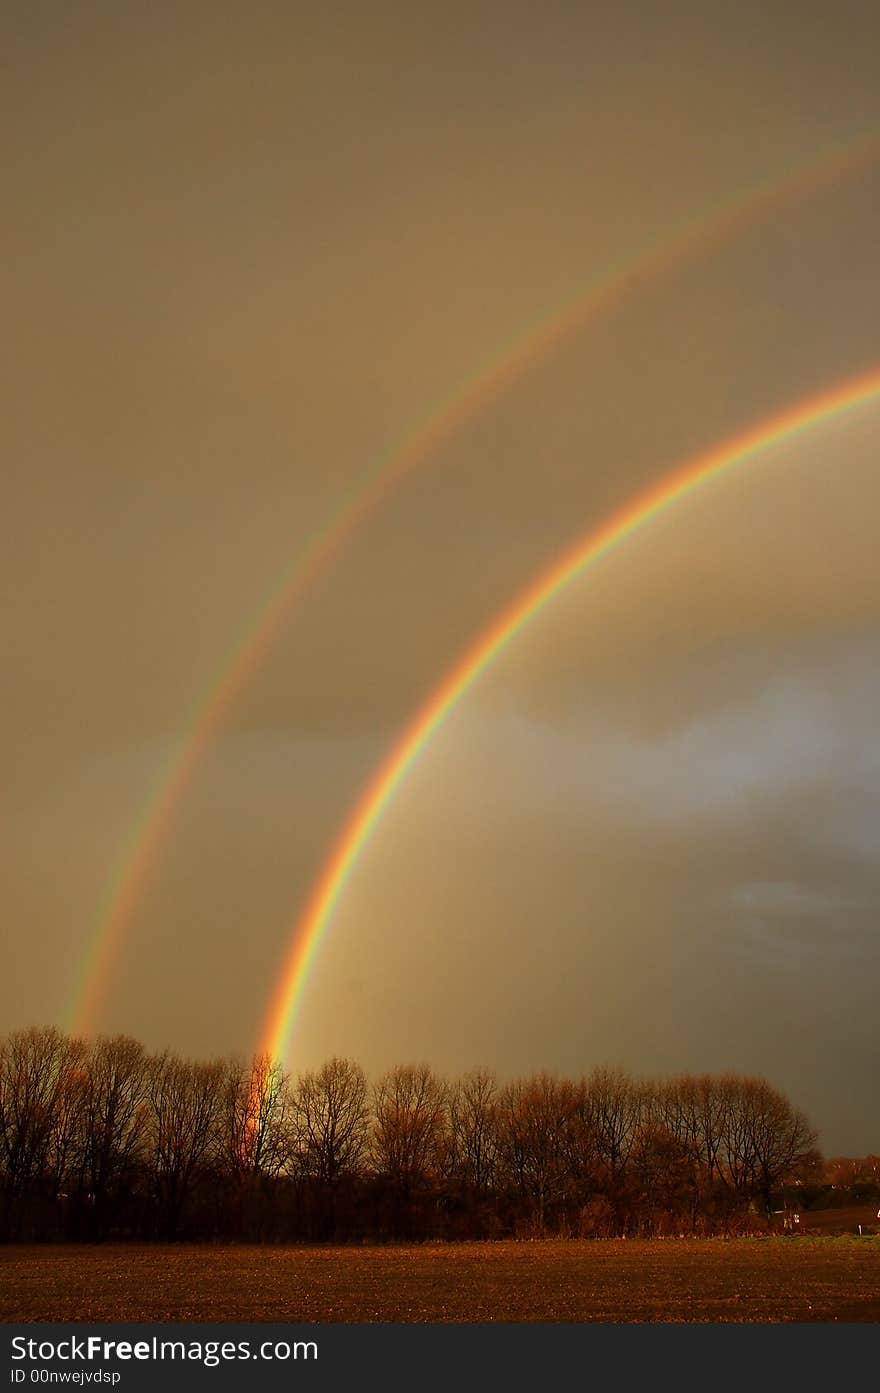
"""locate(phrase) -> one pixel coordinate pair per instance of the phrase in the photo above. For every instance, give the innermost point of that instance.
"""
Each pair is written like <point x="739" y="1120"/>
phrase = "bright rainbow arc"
<point x="208" y="712"/>
<point x="649" y="505"/>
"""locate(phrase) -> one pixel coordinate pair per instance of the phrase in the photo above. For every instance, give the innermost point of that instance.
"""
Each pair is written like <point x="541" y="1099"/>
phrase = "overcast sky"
<point x="245" y="250"/>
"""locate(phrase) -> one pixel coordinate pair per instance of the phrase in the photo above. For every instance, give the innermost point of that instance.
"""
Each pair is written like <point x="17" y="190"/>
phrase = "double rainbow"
<point x="599" y="543"/>
<point x="151" y="830"/>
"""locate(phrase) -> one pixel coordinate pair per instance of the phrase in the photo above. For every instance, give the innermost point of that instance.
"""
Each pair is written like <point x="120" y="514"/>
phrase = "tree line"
<point x="102" y="1140"/>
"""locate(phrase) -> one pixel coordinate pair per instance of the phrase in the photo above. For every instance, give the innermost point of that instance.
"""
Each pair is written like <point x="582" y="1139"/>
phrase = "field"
<point x="844" y="1220"/>
<point x="771" y="1279"/>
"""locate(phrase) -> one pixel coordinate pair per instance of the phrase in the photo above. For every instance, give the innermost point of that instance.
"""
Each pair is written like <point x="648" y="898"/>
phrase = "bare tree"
<point x="779" y="1142"/>
<point x="184" y="1100"/>
<point x="409" y="1105"/>
<point x="533" y="1121"/>
<point x="473" y="1130"/>
<point x="664" y="1178"/>
<point x="113" y="1120"/>
<point x="580" y="1146"/>
<point x="38" y="1099"/>
<point x="614" y="1105"/>
<point x="256" y="1132"/>
<point x="334" y="1119"/>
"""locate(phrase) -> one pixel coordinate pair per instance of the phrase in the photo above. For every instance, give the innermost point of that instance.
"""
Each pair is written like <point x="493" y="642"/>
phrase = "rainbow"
<point x="151" y="829"/>
<point x="599" y="543"/>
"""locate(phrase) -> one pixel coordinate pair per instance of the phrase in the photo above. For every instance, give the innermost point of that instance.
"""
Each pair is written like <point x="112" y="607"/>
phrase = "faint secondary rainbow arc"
<point x="207" y="713"/>
<point x="650" y="504"/>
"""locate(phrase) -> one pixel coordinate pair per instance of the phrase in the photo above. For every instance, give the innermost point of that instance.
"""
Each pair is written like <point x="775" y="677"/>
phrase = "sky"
<point x="247" y="251"/>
